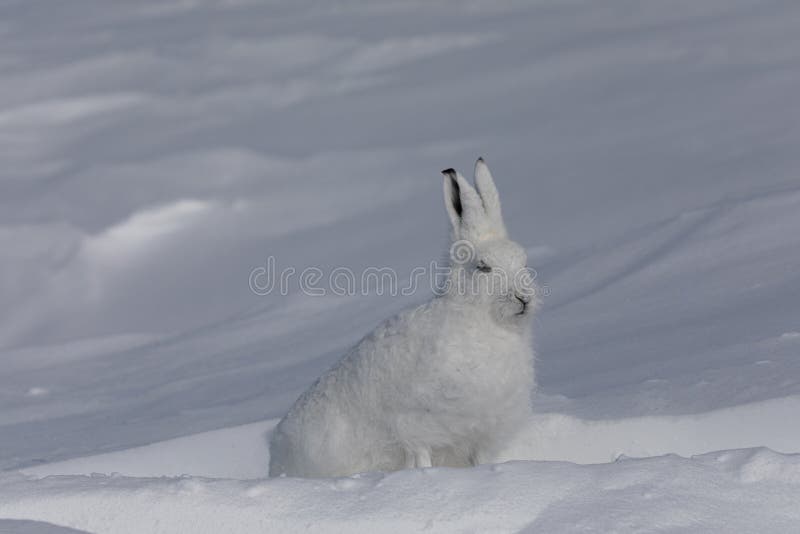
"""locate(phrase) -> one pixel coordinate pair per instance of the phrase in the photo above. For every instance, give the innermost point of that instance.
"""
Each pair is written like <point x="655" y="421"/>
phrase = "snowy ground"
<point x="740" y="491"/>
<point x="152" y="154"/>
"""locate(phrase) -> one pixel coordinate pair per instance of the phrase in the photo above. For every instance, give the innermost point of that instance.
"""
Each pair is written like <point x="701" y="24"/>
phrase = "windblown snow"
<point x="153" y="154"/>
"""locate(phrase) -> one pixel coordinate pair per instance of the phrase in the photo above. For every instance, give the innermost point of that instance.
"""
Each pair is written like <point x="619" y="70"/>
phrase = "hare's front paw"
<point x="418" y="458"/>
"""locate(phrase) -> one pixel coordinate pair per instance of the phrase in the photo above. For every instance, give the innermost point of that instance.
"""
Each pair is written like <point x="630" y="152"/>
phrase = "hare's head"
<point x="486" y="266"/>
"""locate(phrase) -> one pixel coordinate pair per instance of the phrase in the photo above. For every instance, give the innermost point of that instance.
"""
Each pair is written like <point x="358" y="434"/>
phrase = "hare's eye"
<point x="482" y="267"/>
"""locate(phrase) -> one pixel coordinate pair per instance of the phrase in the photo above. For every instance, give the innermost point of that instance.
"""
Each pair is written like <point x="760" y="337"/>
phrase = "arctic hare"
<point x="443" y="384"/>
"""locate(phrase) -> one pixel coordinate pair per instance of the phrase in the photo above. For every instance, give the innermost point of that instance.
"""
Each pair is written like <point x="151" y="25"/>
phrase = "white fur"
<point x="446" y="383"/>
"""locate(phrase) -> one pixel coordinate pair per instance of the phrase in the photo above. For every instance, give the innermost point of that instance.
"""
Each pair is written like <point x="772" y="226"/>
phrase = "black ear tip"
<point x="481" y="159"/>
<point x="449" y="172"/>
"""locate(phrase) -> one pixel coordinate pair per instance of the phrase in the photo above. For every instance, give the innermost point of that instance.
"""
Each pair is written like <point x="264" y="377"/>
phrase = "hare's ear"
<point x="452" y="200"/>
<point x="491" y="199"/>
<point x="463" y="206"/>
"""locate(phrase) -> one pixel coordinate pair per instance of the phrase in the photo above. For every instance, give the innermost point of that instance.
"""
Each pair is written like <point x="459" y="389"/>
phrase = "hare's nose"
<point x="525" y="299"/>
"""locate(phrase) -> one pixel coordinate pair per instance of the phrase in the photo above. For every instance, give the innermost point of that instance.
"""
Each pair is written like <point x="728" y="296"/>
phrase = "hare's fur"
<point x="446" y="383"/>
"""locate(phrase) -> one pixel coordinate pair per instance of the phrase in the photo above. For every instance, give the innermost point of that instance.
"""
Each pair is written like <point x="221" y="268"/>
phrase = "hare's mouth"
<point x="524" y="304"/>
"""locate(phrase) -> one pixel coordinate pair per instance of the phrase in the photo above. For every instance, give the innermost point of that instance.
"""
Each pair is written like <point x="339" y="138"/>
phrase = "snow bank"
<point x="745" y="490"/>
<point x="752" y="490"/>
<point x="21" y="526"/>
<point x="242" y="452"/>
<point x="239" y="452"/>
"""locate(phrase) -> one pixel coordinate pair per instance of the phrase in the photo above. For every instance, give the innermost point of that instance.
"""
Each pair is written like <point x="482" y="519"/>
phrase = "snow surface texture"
<point x="153" y="153"/>
<point x="740" y="491"/>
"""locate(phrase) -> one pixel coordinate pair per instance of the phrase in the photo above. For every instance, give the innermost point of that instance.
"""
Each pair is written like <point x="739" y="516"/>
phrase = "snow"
<point x="242" y="451"/>
<point x="152" y="154"/>
<point x="14" y="526"/>
<point x="238" y="452"/>
<point x="750" y="491"/>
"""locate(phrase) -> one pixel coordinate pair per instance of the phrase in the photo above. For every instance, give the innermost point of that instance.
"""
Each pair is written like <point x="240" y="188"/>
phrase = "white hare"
<point x="443" y="384"/>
